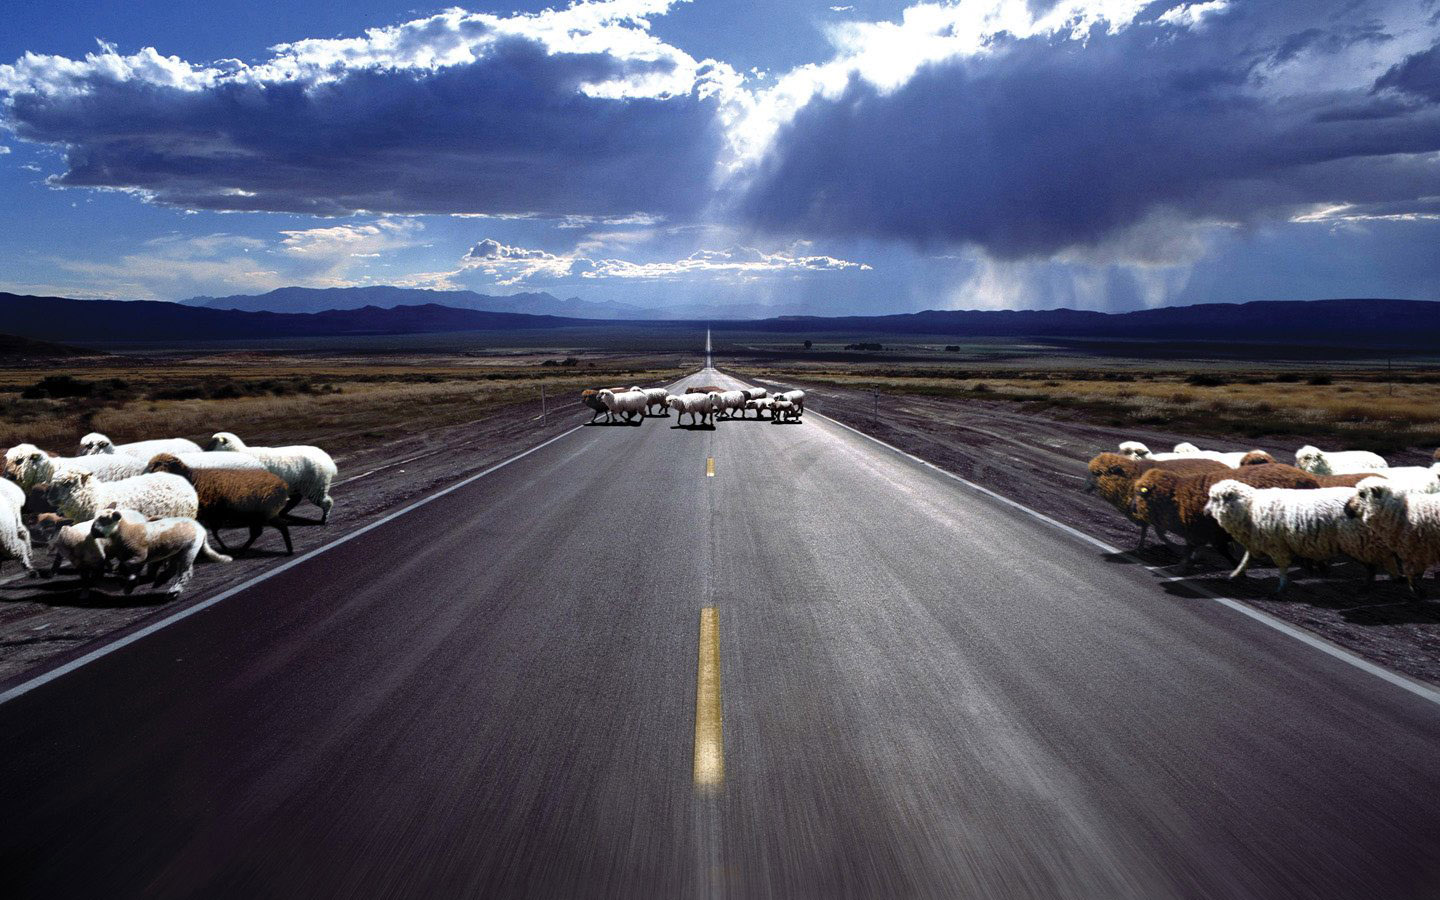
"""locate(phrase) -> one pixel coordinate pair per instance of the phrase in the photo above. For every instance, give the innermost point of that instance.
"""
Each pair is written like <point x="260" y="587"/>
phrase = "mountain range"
<point x="1378" y="323"/>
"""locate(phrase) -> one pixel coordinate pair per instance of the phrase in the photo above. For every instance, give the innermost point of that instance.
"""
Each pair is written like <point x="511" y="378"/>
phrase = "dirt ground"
<point x="1040" y="461"/>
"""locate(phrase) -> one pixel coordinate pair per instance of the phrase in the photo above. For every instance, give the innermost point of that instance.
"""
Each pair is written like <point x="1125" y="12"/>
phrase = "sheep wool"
<point x="234" y="498"/>
<point x="14" y="537"/>
<point x="654" y="399"/>
<point x="627" y="403"/>
<point x="80" y="496"/>
<point x="12" y="494"/>
<point x="1285" y="524"/>
<point x="1113" y="477"/>
<point x="308" y="470"/>
<point x="697" y="406"/>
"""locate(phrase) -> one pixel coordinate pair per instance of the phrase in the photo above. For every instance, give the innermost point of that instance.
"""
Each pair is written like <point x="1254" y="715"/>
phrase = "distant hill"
<point x="14" y="349"/>
<point x="312" y="300"/>
<point x="104" y="321"/>
<point x="1374" y="323"/>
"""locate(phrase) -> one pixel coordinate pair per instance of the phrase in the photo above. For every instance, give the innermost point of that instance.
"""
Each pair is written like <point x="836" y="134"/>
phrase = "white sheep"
<point x="29" y="465"/>
<point x="1338" y="462"/>
<point x="215" y="459"/>
<point x="654" y="397"/>
<point x="795" y="397"/>
<point x="728" y="402"/>
<point x="1407" y="523"/>
<point x="95" y="442"/>
<point x="14" y="538"/>
<point x="754" y="393"/>
<point x="782" y="410"/>
<point x="763" y="406"/>
<point x="1185" y="449"/>
<point x="696" y="405"/>
<point x="171" y="543"/>
<point x="1287" y="524"/>
<point x="79" y="495"/>
<point x="627" y="403"/>
<point x="307" y="470"/>
<point x="11" y="494"/>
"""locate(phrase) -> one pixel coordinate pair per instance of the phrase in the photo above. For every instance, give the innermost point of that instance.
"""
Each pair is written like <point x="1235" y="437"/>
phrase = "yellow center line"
<point x="709" y="730"/>
<point x="710" y="467"/>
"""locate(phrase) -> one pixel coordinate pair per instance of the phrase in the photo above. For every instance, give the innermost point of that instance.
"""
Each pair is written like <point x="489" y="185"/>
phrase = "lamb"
<point x="14" y="538"/>
<point x="783" y="410"/>
<point x="727" y="401"/>
<point x="696" y="405"/>
<point x="29" y="465"/>
<point x="234" y="498"/>
<point x="591" y="398"/>
<point x="85" y="551"/>
<point x="763" y="406"/>
<point x="654" y="397"/>
<point x="1113" y="477"/>
<point x="95" y="442"/>
<point x="1408" y="524"/>
<point x="628" y="403"/>
<point x="80" y="496"/>
<point x="1286" y="524"/>
<point x="174" y="540"/>
<point x="1340" y="462"/>
<point x="1174" y="502"/>
<point x="307" y="470"/>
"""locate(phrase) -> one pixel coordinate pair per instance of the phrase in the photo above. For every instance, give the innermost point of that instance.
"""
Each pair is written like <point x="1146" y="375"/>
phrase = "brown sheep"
<point x="591" y="398"/>
<point x="1437" y="456"/>
<point x="1257" y="458"/>
<point x="704" y="389"/>
<point x="171" y="543"/>
<point x="1113" y="476"/>
<point x="1351" y="480"/>
<point x="1175" y="502"/>
<point x="234" y="498"/>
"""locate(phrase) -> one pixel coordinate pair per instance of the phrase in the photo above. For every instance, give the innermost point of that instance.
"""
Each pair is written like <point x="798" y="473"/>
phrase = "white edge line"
<point x="106" y="649"/>
<point x="1419" y="689"/>
<point x="46" y="677"/>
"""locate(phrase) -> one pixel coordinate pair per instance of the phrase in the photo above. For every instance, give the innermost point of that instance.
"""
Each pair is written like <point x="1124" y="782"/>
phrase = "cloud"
<point x="1417" y="75"/>
<point x="4" y="149"/>
<point x="573" y="112"/>
<point x="1040" y="135"/>
<point x="508" y="265"/>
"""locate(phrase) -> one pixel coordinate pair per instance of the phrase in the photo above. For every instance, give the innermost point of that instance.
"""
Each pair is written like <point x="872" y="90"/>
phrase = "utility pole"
<point x="544" y="410"/>
<point x="876" y="414"/>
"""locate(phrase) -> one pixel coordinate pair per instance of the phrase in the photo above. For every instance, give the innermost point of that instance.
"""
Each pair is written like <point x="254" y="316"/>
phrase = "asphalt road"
<point x="925" y="693"/>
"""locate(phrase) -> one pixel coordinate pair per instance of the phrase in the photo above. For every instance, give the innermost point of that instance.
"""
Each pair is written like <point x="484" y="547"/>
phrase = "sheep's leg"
<point x="325" y="504"/>
<point x="284" y="533"/>
<point x="215" y="533"/>
<point x="1283" y="564"/>
<point x="1188" y="559"/>
<point x="290" y="504"/>
<point x="1244" y="566"/>
<point x="254" y="533"/>
<point x="1144" y="528"/>
<point x="1160" y="533"/>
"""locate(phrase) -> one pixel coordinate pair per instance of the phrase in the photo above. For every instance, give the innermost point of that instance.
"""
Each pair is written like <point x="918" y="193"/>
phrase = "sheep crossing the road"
<point x="702" y="404"/>
<point x="1330" y="505"/>
<point x="152" y="504"/>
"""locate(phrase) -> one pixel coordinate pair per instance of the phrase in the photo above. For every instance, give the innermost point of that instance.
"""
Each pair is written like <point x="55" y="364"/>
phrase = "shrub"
<point x="1321" y="380"/>
<point x="1203" y="379"/>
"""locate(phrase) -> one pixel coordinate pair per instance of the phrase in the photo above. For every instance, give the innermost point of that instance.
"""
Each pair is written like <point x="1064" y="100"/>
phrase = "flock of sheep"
<point x="1329" y="505"/>
<point x="703" y="403"/>
<point x="147" y="505"/>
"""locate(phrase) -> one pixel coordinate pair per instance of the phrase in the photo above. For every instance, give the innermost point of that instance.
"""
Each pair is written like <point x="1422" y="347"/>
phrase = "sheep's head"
<point x="1111" y="476"/>
<point x="1256" y="458"/>
<point x="1370" y="494"/>
<point x="106" y="522"/>
<point x="1186" y="447"/>
<point x="168" y="462"/>
<point x="634" y="387"/>
<point x="225" y="441"/>
<point x="1145" y="492"/>
<point x="1227" y="495"/>
<point x="1134" y="449"/>
<point x="64" y="484"/>
<point x="1312" y="460"/>
<point x="27" y="465"/>
<point x="94" y="443"/>
<point x="715" y="401"/>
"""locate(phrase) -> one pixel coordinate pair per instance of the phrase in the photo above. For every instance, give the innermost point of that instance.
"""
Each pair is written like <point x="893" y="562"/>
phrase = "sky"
<point x="787" y="157"/>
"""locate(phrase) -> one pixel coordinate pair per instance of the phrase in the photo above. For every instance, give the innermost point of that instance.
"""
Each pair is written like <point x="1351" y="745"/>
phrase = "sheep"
<point x="307" y="470"/>
<point x="763" y="406"/>
<point x="1285" y="524"/>
<point x="1341" y="462"/>
<point x="14" y="538"/>
<point x="95" y="442"/>
<point x="1174" y="502"/>
<point x="173" y="540"/>
<point x="696" y="405"/>
<point x="1113" y="477"/>
<point x="85" y="551"/>
<point x="234" y="498"/>
<point x="1351" y="480"/>
<point x="1407" y="523"/>
<point x="1134" y="450"/>
<point x="628" y="403"/>
<point x="1137" y="450"/>
<point x="654" y="397"/>
<point x="754" y="393"/>
<point x="29" y="465"/>
<point x="79" y="495"/>
<point x="703" y="389"/>
<point x="1234" y="458"/>
<point x="783" y="410"/>
<point x="795" y="397"/>
<point x="727" y="401"/>
<point x="591" y="398"/>
<point x="213" y="459"/>
<point x="12" y="494"/>
<point x="1257" y="458"/>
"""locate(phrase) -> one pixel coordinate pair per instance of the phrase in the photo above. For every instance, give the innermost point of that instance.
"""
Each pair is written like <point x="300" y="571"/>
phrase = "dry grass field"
<point x="278" y="398"/>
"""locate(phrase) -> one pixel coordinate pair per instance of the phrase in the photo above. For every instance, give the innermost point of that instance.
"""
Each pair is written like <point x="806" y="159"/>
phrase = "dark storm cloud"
<point x="1418" y="75"/>
<point x="510" y="133"/>
<point x="1050" y="144"/>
